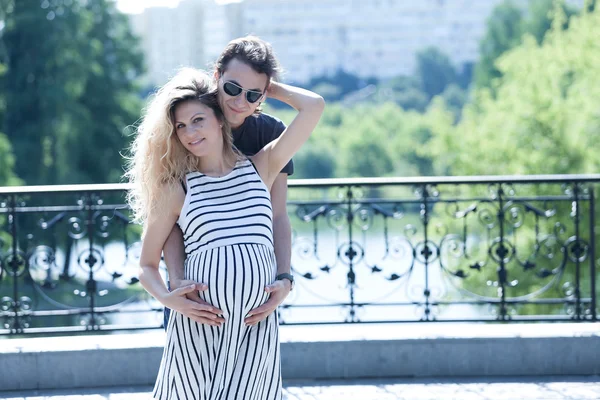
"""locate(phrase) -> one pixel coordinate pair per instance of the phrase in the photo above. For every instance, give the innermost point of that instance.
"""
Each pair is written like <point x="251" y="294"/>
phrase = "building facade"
<point x="375" y="38"/>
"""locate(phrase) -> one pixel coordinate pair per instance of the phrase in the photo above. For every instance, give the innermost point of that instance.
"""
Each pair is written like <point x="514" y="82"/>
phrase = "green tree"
<point x="335" y="87"/>
<point x="455" y="98"/>
<point x="68" y="94"/>
<point x="403" y="83"/>
<point x="316" y="160"/>
<point x="319" y="157"/>
<point x="504" y="30"/>
<point x="364" y="141"/>
<point x="411" y="99"/>
<point x="444" y="145"/>
<point x="366" y="155"/>
<point x="7" y="159"/>
<point x="435" y="71"/>
<point x="38" y="84"/>
<point x="7" y="162"/>
<point x="465" y="75"/>
<point x="506" y="27"/>
<point x="540" y="16"/>
<point x="543" y="116"/>
<point x="403" y="90"/>
<point x="110" y="99"/>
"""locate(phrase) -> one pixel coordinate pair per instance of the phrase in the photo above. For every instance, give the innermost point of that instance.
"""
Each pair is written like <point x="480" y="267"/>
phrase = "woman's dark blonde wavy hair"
<point x="158" y="160"/>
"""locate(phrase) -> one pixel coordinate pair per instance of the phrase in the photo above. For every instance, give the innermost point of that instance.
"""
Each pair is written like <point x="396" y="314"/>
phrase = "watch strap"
<point x="287" y="276"/>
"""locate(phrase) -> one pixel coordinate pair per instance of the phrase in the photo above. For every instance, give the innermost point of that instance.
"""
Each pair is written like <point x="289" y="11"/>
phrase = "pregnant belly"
<point x="236" y="277"/>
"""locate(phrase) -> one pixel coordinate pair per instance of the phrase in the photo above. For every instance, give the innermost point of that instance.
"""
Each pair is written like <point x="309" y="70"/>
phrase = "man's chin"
<point x="235" y="120"/>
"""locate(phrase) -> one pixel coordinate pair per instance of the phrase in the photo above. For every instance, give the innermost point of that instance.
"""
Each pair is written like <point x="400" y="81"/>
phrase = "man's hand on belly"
<point x="184" y="299"/>
<point x="278" y="292"/>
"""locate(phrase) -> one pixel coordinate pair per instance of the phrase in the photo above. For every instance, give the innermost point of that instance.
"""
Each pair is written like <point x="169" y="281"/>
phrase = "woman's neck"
<point x="216" y="165"/>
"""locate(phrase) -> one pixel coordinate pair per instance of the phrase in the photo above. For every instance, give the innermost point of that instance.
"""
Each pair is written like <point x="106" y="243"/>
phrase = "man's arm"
<point x="282" y="235"/>
<point x="282" y="228"/>
<point x="174" y="254"/>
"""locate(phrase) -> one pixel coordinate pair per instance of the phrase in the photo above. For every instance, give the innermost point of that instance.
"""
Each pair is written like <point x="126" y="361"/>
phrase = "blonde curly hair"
<point x="158" y="160"/>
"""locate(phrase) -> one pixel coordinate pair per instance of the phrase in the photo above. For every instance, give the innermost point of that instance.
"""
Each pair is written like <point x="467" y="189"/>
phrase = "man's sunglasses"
<point x="235" y="90"/>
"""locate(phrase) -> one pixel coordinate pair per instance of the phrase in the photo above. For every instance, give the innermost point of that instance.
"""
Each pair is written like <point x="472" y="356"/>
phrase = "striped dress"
<point x="227" y="227"/>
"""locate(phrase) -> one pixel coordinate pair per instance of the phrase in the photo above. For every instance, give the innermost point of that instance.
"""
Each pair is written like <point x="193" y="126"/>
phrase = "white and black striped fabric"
<point x="227" y="226"/>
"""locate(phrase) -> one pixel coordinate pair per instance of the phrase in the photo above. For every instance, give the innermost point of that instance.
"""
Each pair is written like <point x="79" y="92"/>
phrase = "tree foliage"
<point x="505" y="29"/>
<point x="366" y="140"/>
<point x="434" y="71"/>
<point x="540" y="115"/>
<point x="7" y="159"/>
<point x="543" y="116"/>
<point x="7" y="162"/>
<point x="70" y="89"/>
<point x="433" y="75"/>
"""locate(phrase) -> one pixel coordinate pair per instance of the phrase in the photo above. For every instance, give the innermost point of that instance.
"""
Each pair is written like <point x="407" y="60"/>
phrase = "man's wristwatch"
<point x="287" y="276"/>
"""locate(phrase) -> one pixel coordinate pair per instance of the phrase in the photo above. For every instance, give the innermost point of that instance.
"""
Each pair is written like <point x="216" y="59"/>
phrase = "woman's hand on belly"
<point x="185" y="300"/>
<point x="278" y="291"/>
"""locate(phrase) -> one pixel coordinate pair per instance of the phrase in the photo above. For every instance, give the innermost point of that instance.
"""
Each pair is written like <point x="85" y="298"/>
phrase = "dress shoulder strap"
<point x="253" y="166"/>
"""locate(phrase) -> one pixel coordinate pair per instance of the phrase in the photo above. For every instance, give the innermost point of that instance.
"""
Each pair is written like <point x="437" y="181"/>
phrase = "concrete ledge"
<point x="320" y="352"/>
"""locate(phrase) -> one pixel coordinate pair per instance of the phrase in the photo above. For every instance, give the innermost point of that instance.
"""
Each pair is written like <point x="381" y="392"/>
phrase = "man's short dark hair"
<point x="253" y="51"/>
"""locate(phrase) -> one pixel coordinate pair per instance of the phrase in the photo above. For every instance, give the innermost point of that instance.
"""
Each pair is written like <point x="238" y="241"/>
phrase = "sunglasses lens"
<point x="231" y="89"/>
<point x="253" y="97"/>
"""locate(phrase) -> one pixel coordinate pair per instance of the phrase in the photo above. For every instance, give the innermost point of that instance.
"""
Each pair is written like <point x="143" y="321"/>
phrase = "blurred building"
<point x="192" y="34"/>
<point x="375" y="38"/>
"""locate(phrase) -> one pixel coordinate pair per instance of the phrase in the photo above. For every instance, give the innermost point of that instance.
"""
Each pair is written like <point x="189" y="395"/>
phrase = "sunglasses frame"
<point x="241" y="90"/>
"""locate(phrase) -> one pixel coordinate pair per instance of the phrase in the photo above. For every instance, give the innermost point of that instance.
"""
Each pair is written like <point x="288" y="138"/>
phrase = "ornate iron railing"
<point x="364" y="250"/>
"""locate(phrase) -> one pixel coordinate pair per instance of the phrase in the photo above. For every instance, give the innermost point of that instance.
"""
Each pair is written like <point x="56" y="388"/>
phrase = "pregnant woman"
<point x="185" y="170"/>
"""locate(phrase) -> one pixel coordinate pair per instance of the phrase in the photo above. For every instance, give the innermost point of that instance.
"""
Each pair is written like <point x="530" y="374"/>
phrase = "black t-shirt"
<point x="256" y="132"/>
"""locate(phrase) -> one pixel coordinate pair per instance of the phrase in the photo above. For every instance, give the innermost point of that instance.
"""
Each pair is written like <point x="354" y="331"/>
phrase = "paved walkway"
<point x="520" y="388"/>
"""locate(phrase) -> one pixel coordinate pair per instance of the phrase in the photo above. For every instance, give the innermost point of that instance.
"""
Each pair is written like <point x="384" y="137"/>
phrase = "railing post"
<point x="592" y="254"/>
<point x="501" y="253"/>
<point x="68" y="251"/>
<point x="424" y="214"/>
<point x="91" y="261"/>
<point x="351" y="253"/>
<point x="14" y="263"/>
<point x="577" y="250"/>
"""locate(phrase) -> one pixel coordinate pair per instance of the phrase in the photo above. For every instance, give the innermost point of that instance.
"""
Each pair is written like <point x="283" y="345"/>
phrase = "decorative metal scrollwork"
<point x="503" y="251"/>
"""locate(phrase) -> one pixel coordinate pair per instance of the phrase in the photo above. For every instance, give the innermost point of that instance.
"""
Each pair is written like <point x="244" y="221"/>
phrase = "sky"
<point x="137" y="6"/>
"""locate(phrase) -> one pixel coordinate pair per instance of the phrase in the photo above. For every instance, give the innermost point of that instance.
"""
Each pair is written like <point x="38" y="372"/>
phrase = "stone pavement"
<point x="518" y="388"/>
